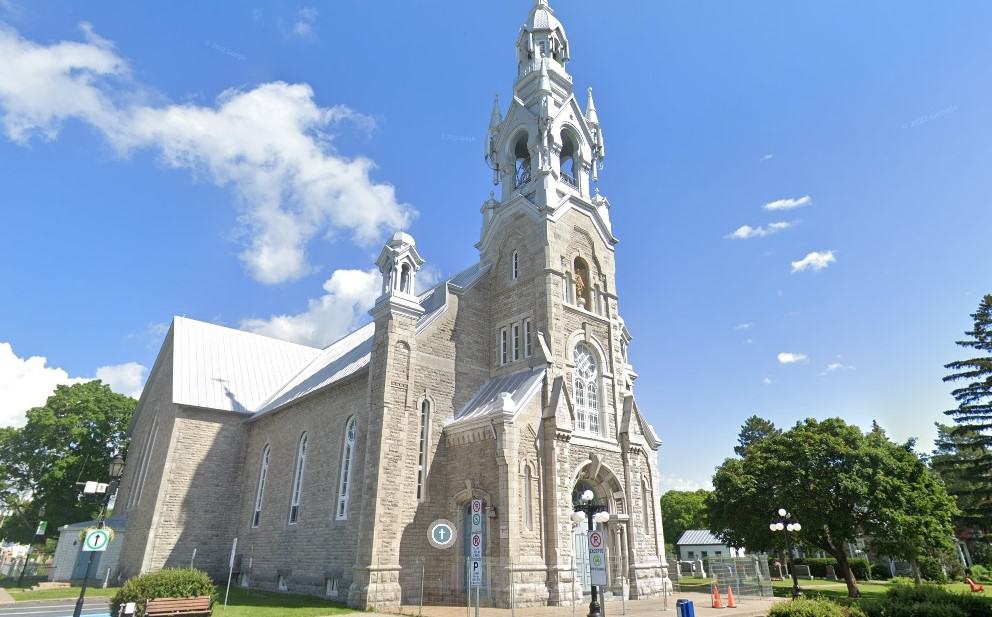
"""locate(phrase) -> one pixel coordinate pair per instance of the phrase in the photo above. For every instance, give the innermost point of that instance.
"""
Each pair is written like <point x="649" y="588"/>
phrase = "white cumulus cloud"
<point x="344" y="305"/>
<point x="28" y="382"/>
<point x="347" y="297"/>
<point x="271" y="145"/>
<point x="788" y="203"/>
<point x="788" y="357"/>
<point x="127" y="378"/>
<point x="815" y="261"/>
<point x="745" y="232"/>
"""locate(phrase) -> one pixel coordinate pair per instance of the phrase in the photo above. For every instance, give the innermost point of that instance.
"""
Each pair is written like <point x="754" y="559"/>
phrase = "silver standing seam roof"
<point x="502" y="395"/>
<point x="223" y="368"/>
<point x="699" y="536"/>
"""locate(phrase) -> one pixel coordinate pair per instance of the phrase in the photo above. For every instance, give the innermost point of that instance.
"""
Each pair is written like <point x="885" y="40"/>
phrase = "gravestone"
<point x="802" y="571"/>
<point x="687" y="568"/>
<point x="831" y="574"/>
<point x="699" y="569"/>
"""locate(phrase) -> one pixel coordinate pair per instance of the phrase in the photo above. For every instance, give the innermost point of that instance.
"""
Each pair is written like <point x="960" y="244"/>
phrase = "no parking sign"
<point x="597" y="558"/>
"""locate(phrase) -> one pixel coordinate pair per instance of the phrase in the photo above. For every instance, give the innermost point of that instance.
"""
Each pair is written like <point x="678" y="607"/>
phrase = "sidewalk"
<point x="746" y="607"/>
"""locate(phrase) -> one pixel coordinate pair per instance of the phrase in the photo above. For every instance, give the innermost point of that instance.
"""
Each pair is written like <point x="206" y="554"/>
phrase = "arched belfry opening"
<point x="568" y="168"/>
<point x="521" y="161"/>
<point x="583" y="292"/>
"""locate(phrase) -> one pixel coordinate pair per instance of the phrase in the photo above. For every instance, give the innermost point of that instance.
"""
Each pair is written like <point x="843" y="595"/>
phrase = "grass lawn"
<point x="821" y="588"/>
<point x="26" y="595"/>
<point x="250" y="603"/>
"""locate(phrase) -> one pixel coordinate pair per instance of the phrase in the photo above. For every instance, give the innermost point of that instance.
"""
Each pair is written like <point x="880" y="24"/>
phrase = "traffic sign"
<point x="476" y="545"/>
<point x="96" y="540"/>
<point x="442" y="534"/>
<point x="597" y="558"/>
<point x="476" y="573"/>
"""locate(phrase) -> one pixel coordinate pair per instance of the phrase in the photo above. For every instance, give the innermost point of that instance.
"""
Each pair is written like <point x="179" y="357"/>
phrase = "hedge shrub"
<point x="980" y="573"/>
<point x="880" y="572"/>
<point x="167" y="583"/>
<point x="932" y="571"/>
<point x="931" y="601"/>
<point x="813" y="608"/>
<point x="818" y="566"/>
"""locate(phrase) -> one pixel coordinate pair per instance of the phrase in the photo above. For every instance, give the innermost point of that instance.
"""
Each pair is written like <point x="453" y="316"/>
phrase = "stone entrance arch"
<point x="608" y="492"/>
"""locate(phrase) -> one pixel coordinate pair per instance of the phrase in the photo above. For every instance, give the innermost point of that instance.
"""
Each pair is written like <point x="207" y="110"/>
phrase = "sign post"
<point x="597" y="558"/>
<point x="230" y="570"/>
<point x="475" y="551"/>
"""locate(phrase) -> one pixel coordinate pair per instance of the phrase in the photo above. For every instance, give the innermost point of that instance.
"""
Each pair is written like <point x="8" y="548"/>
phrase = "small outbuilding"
<point x="695" y="544"/>
<point x="70" y="559"/>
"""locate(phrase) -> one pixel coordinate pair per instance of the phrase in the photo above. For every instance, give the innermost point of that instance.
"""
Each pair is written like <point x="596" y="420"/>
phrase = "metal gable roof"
<point x="699" y="536"/>
<point x="227" y="369"/>
<point x="507" y="394"/>
<point x="341" y="359"/>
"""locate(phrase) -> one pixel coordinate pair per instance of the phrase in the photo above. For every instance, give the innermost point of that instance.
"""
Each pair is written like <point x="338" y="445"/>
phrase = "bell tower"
<point x="547" y="144"/>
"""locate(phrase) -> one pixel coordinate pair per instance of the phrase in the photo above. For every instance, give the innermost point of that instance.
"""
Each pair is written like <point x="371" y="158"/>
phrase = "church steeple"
<point x="546" y="146"/>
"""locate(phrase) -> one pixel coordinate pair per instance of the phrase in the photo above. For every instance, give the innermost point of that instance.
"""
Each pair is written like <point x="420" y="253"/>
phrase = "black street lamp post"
<point x="786" y="523"/>
<point x="116" y="471"/>
<point x="586" y="510"/>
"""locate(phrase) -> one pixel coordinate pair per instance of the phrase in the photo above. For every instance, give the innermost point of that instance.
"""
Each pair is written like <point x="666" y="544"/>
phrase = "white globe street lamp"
<point x="789" y="525"/>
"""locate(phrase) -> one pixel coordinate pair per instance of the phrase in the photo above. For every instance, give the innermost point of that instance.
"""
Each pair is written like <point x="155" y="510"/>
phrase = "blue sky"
<point x="119" y="209"/>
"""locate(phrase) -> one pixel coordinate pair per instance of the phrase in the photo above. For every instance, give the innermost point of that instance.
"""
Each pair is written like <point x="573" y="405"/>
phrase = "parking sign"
<point x="597" y="558"/>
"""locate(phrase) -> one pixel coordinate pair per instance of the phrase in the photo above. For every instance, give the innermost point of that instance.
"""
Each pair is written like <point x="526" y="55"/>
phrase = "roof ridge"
<point x="176" y="318"/>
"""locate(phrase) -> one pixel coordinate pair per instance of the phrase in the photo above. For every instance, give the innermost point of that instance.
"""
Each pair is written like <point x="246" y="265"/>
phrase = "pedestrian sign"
<point x="96" y="540"/>
<point x="442" y="534"/>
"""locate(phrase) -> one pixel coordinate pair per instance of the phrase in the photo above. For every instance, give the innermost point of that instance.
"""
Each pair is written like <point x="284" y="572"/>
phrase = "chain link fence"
<point x="493" y="587"/>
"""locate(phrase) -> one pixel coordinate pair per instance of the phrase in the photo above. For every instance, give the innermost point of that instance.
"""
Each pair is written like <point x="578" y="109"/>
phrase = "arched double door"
<point x="608" y="495"/>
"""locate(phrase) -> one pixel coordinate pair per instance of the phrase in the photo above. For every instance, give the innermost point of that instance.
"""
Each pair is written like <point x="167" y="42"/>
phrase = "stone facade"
<point x="507" y="383"/>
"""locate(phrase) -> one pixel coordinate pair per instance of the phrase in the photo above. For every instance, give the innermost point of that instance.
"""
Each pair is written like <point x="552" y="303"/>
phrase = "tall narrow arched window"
<point x="568" y="168"/>
<point x="263" y="472"/>
<point x="301" y="462"/>
<point x="528" y="498"/>
<point x="405" y="279"/>
<point x="423" y="443"/>
<point x="515" y="265"/>
<point x="347" y="462"/>
<point x="521" y="157"/>
<point x="583" y="294"/>
<point x="586" y="389"/>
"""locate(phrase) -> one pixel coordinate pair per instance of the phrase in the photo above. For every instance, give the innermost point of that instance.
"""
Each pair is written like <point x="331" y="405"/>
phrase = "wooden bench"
<point x="168" y="607"/>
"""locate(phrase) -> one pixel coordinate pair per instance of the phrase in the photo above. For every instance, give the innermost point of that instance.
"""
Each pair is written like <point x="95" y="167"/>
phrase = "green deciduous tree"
<point x="71" y="438"/>
<point x="967" y="449"/>
<point x="681" y="510"/>
<point x="837" y="481"/>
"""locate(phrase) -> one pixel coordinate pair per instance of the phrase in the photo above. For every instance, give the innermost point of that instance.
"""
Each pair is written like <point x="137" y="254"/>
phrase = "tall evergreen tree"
<point x="968" y="448"/>
<point x="753" y="430"/>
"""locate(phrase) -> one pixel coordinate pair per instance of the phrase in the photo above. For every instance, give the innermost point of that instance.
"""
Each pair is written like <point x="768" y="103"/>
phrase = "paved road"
<point x="97" y="607"/>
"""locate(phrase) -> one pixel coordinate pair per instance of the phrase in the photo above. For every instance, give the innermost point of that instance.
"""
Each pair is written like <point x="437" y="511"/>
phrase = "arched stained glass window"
<point x="425" y="417"/>
<point x="586" y="389"/>
<point x="347" y="463"/>
<point x="301" y="461"/>
<point x="263" y="472"/>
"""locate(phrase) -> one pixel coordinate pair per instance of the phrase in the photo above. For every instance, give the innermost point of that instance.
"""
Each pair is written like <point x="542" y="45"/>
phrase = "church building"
<point x="508" y="383"/>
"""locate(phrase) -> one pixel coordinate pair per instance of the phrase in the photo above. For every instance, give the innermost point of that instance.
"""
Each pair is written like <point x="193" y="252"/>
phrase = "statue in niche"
<point x="580" y="288"/>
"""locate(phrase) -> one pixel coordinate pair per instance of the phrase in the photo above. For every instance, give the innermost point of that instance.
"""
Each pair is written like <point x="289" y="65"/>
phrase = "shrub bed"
<point x="167" y="583"/>
<point x="818" y="566"/>
<point x="814" y="608"/>
<point x="926" y="601"/>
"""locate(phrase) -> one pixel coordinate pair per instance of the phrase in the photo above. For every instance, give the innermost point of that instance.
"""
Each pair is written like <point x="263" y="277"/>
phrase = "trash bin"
<point x="684" y="608"/>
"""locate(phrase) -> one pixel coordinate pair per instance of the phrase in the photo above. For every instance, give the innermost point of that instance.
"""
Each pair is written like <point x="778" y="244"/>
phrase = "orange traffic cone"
<point x="716" y="597"/>
<point x="730" y="597"/>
